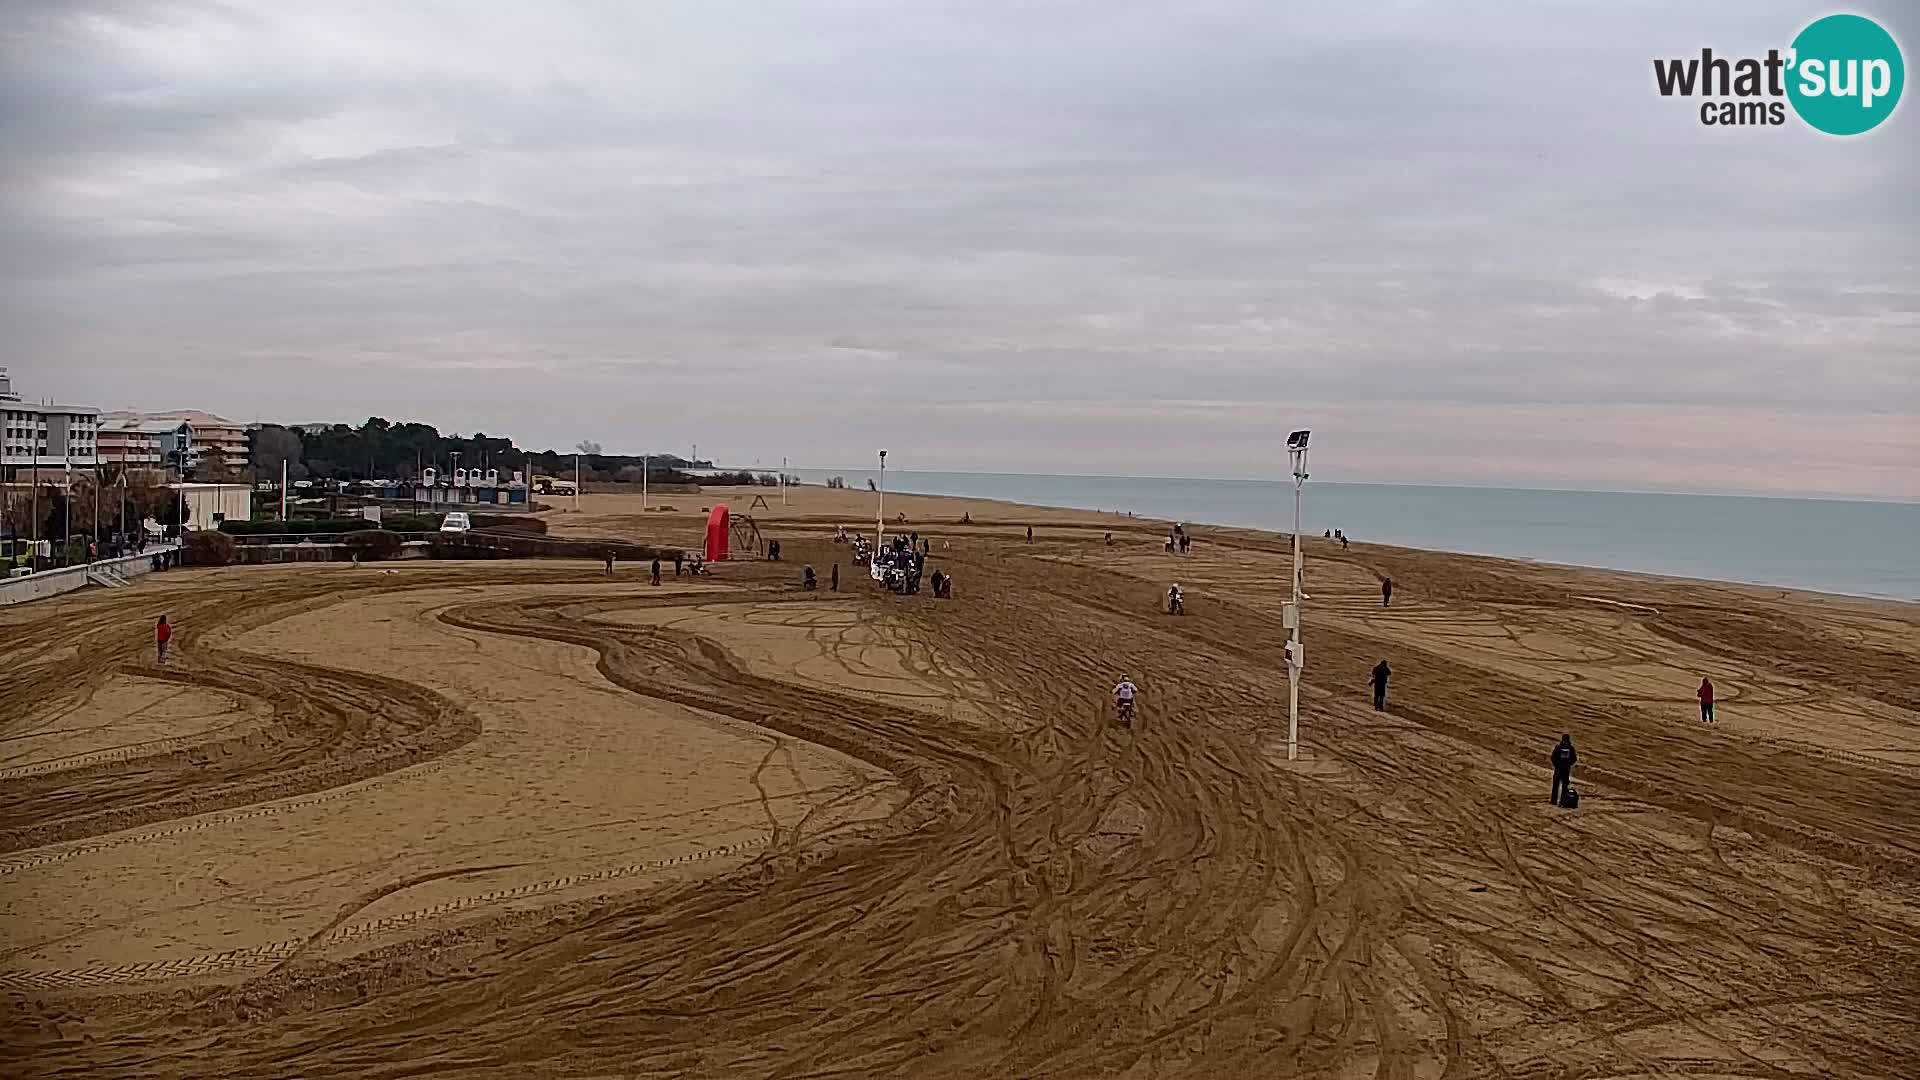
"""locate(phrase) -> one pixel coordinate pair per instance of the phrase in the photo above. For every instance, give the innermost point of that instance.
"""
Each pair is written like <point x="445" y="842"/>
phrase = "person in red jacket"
<point x="162" y="633"/>
<point x="1705" y="693"/>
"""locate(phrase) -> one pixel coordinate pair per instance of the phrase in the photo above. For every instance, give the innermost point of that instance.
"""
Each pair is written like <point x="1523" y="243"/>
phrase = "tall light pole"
<point x="645" y="465"/>
<point x="783" y="480"/>
<point x="1297" y="454"/>
<point x="880" y="517"/>
<point x="576" y="481"/>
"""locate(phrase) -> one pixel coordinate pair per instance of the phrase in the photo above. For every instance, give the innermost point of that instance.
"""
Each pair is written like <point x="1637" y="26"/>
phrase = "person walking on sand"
<point x="655" y="578"/>
<point x="1381" y="673"/>
<point x="609" y="563"/>
<point x="836" y="577"/>
<point x="1029" y="534"/>
<point x="676" y="562"/>
<point x="1705" y="694"/>
<point x="1386" y="592"/>
<point x="1564" y="758"/>
<point x="162" y="634"/>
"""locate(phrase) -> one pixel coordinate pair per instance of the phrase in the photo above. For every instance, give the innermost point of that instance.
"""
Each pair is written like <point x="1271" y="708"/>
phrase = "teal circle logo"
<point x="1846" y="74"/>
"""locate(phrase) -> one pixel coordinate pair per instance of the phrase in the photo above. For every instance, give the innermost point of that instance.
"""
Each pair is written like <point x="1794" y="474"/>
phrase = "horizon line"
<point x="1896" y="500"/>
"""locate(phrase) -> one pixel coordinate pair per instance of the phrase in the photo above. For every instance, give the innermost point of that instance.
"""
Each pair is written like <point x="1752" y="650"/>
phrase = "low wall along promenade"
<point x="67" y="579"/>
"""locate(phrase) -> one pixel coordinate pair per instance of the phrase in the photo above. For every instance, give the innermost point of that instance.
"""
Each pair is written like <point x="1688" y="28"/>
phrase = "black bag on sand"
<point x="1569" y="799"/>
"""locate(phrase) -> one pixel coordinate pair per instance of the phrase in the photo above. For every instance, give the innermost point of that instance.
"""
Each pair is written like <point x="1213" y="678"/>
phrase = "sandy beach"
<point x="518" y="818"/>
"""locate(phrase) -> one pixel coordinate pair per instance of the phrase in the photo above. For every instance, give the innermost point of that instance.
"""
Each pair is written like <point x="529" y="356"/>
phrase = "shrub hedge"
<point x="374" y="544"/>
<point x="305" y="526"/>
<point x="207" y="547"/>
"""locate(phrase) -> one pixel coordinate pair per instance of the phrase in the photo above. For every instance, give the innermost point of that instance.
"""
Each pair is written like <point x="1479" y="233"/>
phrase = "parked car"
<point x="456" y="521"/>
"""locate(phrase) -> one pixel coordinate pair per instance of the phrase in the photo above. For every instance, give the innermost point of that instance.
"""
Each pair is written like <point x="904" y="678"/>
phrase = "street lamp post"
<point x="783" y="480"/>
<point x="646" y="465"/>
<point x="880" y="517"/>
<point x="1297" y="454"/>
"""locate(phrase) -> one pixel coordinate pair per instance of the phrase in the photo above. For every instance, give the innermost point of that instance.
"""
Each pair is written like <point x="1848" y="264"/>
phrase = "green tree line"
<point x="383" y="450"/>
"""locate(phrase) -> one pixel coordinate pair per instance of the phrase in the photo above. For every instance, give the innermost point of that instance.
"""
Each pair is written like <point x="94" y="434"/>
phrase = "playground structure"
<point x="732" y="536"/>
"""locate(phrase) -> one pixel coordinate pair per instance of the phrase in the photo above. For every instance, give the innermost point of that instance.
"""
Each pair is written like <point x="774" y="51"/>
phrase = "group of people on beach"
<point x="697" y="566"/>
<point x="899" y="566"/>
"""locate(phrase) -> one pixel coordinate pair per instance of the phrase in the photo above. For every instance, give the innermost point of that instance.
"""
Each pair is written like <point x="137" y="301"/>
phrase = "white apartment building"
<point x="37" y="436"/>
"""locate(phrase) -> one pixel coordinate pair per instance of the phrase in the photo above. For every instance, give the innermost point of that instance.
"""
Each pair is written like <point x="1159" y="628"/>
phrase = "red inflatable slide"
<point x="717" y="533"/>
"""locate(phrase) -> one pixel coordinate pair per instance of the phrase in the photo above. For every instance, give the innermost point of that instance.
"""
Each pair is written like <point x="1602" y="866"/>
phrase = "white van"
<point x="455" y="521"/>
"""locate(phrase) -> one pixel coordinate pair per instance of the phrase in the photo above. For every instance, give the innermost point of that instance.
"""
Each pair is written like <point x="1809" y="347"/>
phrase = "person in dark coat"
<point x="1386" y="592"/>
<point x="1029" y="534"/>
<point x="1705" y="694"/>
<point x="807" y="580"/>
<point x="1381" y="672"/>
<point x="655" y="579"/>
<point x="676" y="562"/>
<point x="1564" y="759"/>
<point x="836" y="577"/>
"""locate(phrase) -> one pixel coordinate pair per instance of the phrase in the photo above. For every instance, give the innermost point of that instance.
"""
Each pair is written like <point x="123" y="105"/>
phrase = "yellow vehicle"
<point x="15" y="553"/>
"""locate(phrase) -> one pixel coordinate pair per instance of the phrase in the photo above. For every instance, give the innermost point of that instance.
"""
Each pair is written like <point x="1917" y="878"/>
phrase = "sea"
<point x="1824" y="545"/>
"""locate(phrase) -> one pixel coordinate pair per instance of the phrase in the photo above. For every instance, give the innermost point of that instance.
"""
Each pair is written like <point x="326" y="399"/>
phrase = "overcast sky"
<point x="1463" y="242"/>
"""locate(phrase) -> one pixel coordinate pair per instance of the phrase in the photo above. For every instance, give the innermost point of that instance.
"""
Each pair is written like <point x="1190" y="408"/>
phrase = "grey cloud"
<point x="1100" y="205"/>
